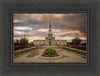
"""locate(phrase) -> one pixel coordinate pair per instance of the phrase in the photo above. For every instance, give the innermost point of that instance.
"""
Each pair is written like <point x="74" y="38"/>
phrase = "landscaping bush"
<point x="79" y="47"/>
<point x="18" y="47"/>
<point x="50" y="53"/>
<point x="83" y="44"/>
<point x="17" y="44"/>
<point x="76" y="41"/>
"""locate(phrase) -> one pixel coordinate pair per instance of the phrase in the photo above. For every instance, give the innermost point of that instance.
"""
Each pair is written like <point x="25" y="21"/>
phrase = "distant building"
<point x="50" y="40"/>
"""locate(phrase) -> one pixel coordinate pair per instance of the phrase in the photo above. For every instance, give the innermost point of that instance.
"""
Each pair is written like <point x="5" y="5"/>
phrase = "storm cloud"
<point x="63" y="25"/>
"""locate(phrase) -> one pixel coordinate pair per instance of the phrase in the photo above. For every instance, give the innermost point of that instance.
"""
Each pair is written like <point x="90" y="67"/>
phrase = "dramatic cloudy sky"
<point x="35" y="26"/>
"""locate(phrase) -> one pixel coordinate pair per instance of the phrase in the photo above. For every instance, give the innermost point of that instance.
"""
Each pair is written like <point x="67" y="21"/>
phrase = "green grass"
<point x="30" y="45"/>
<point x="22" y="52"/>
<point x="76" y="51"/>
<point x="50" y="53"/>
<point x="69" y="45"/>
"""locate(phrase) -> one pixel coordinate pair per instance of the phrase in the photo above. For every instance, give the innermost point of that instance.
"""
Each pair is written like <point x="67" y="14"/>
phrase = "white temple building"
<point x="50" y="40"/>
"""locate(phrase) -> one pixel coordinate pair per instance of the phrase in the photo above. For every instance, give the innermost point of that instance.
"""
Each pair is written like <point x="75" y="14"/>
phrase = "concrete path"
<point x="35" y="56"/>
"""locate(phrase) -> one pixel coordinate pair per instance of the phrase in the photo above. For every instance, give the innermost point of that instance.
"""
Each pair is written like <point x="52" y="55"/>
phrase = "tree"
<point x="24" y="41"/>
<point x="76" y="41"/>
<point x="17" y="41"/>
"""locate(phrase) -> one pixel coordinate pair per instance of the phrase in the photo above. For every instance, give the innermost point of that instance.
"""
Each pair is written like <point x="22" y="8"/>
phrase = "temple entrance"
<point x="49" y="42"/>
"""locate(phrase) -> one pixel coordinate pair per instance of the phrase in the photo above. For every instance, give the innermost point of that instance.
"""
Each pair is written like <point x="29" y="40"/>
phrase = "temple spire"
<point x="50" y="30"/>
<point x="50" y="24"/>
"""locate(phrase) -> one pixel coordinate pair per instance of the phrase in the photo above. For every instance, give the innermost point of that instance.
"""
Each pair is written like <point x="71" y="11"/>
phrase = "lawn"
<point x="76" y="51"/>
<point x="22" y="52"/>
<point x="50" y="53"/>
<point x="30" y="45"/>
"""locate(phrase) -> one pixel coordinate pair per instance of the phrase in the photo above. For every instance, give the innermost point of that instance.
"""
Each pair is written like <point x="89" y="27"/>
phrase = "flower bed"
<point x="18" y="47"/>
<point x="50" y="53"/>
<point x="79" y="47"/>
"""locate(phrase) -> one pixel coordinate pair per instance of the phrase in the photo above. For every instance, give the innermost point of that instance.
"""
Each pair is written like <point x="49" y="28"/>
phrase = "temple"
<point x="50" y="40"/>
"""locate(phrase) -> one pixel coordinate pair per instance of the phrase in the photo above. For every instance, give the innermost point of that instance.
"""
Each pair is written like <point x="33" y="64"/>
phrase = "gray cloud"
<point x="72" y="21"/>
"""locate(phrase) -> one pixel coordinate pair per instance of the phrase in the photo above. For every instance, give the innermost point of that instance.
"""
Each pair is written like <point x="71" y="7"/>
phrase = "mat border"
<point x="55" y="70"/>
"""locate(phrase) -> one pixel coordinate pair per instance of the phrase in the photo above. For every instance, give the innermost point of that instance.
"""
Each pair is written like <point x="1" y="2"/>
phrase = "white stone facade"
<point x="50" y="40"/>
<point x="53" y="43"/>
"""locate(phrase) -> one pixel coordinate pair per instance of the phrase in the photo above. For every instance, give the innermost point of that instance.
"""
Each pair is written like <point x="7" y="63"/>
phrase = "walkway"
<point x="34" y="56"/>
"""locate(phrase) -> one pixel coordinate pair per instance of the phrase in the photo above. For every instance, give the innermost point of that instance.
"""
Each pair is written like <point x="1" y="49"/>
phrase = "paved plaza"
<point x="35" y="56"/>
